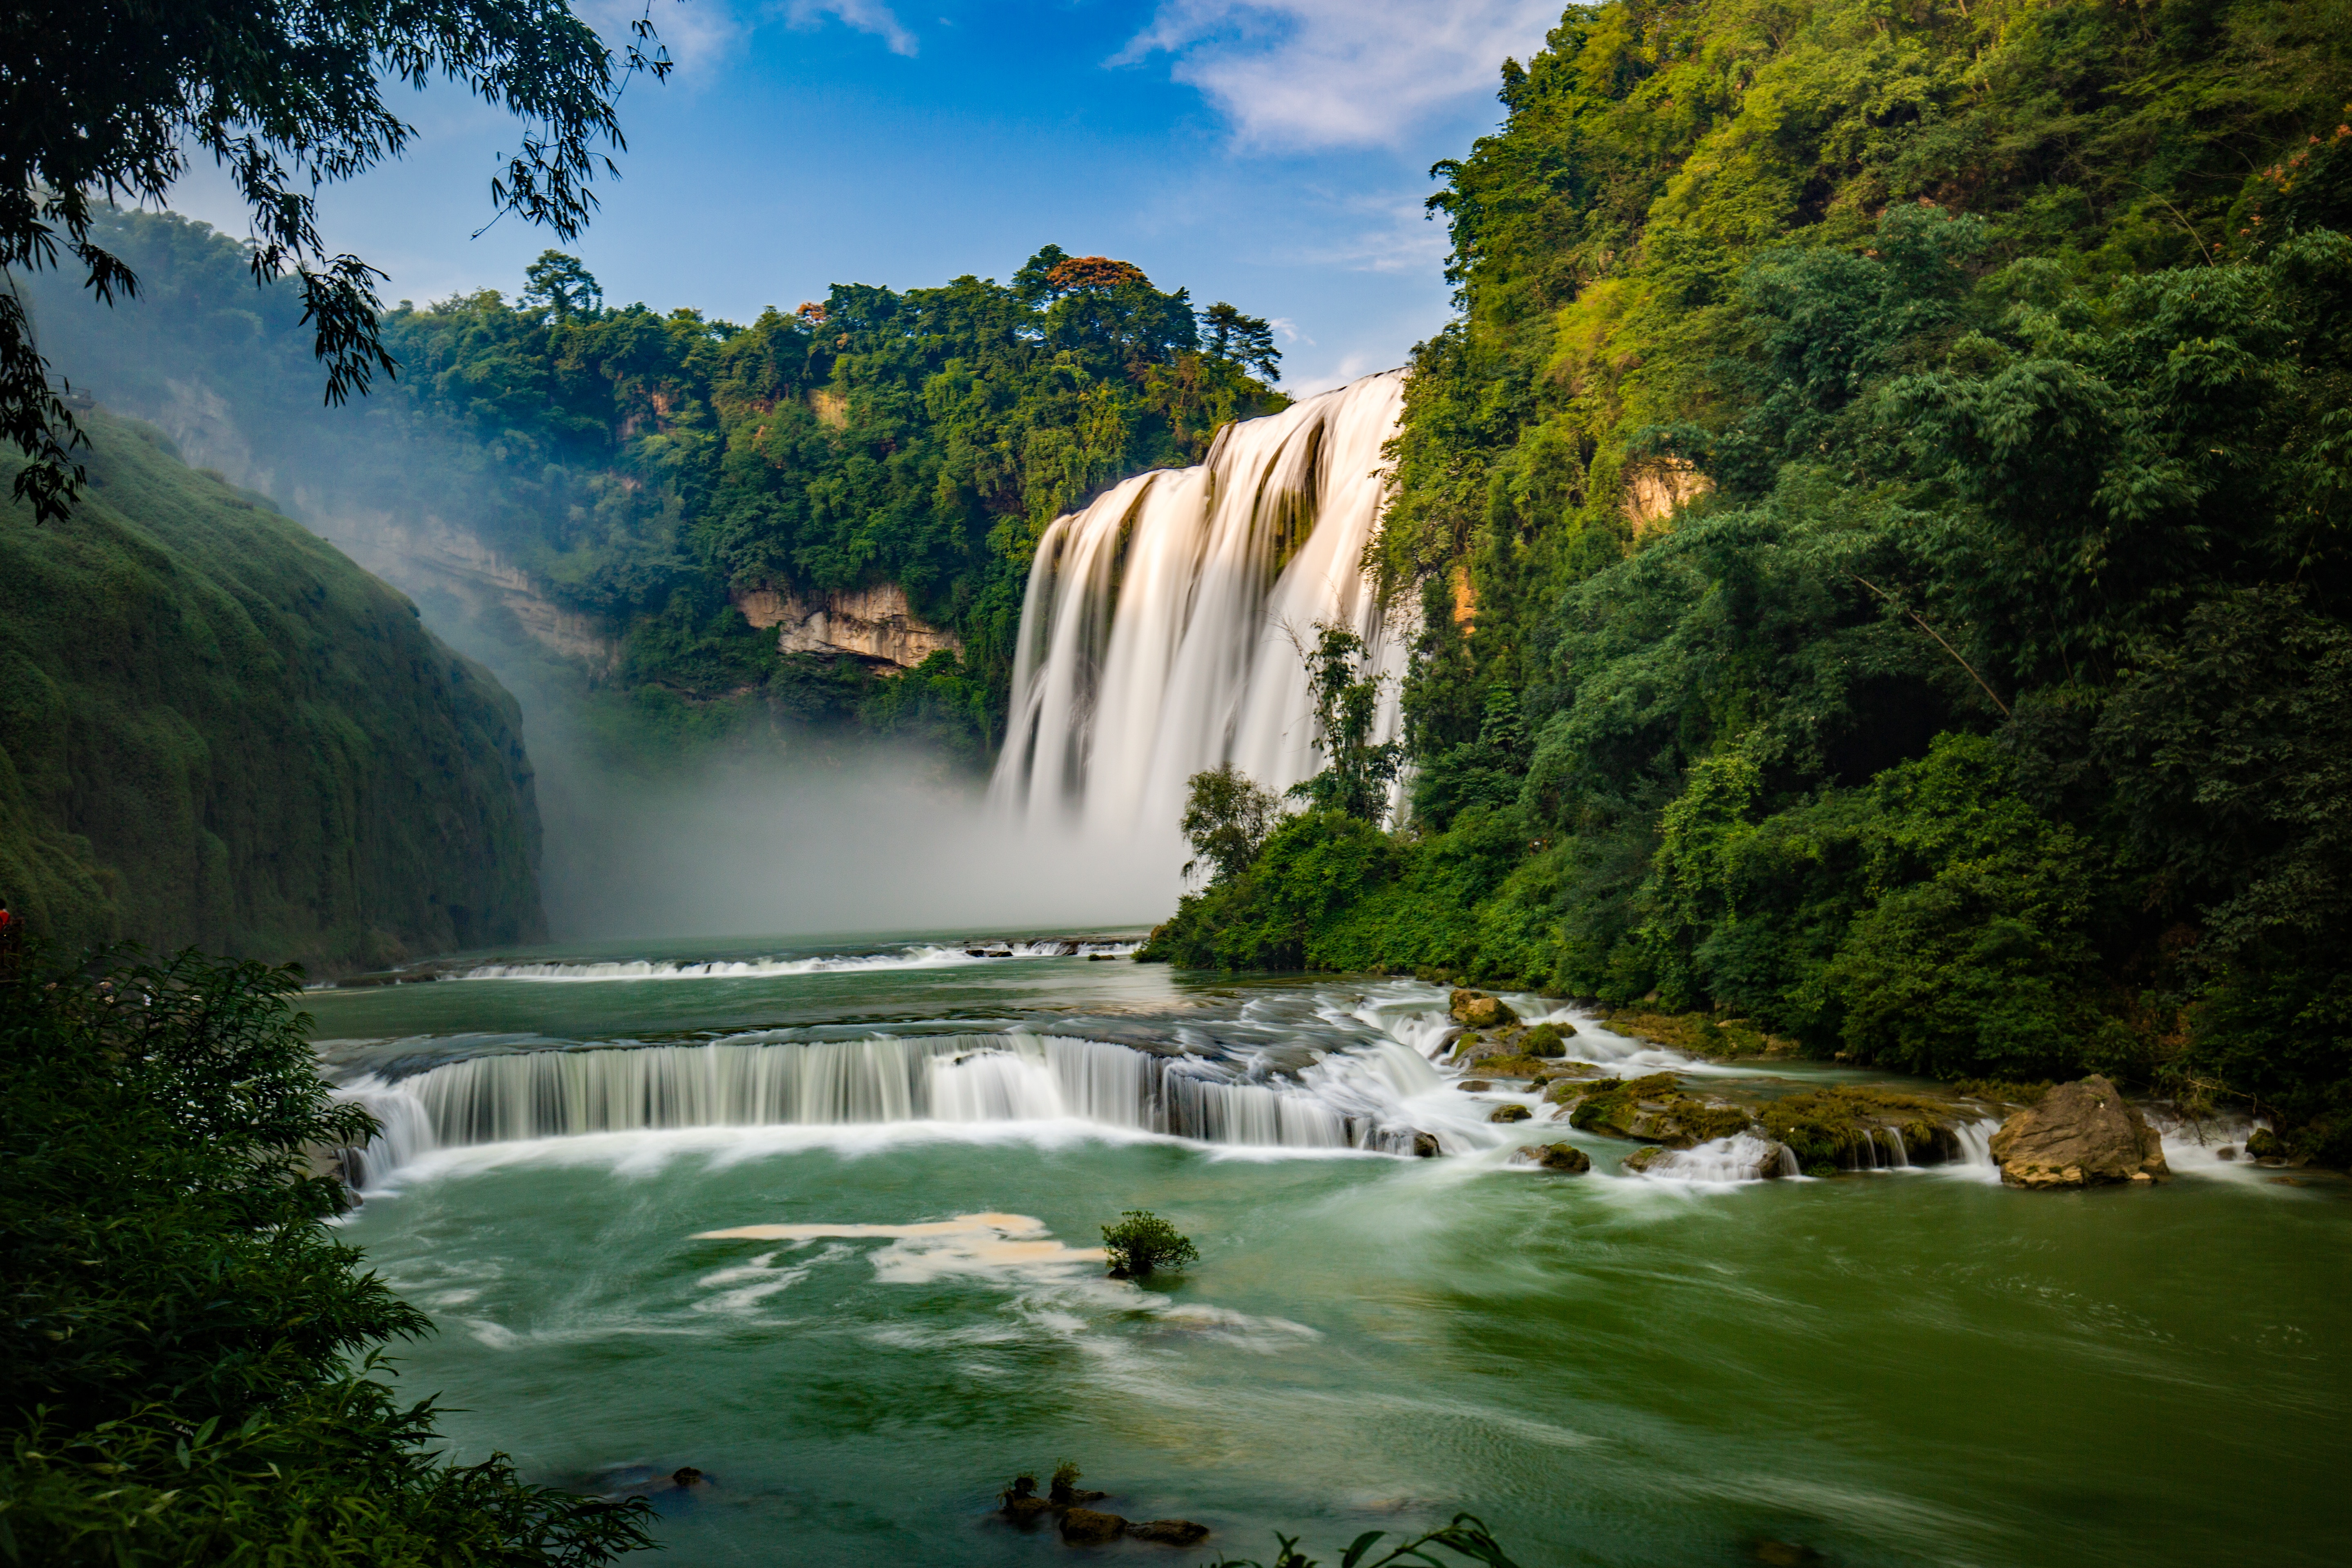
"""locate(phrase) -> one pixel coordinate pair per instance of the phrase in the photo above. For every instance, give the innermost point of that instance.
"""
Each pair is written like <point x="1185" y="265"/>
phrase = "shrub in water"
<point x="1142" y="1241"/>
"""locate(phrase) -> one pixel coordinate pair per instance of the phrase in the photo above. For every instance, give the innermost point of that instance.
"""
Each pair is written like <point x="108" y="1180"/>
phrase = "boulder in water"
<point x="1545" y="1040"/>
<point x="1565" y="1158"/>
<point x="1425" y="1146"/>
<point x="1480" y="1011"/>
<point x="2079" y="1135"/>
<point x="1474" y="1086"/>
<point x="1084" y="1527"/>
<point x="2263" y="1143"/>
<point x="1510" y="1114"/>
<point x="1170" y="1531"/>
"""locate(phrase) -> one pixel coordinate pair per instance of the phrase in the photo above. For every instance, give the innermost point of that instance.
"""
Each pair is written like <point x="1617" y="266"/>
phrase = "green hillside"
<point x="216" y="731"/>
<point x="1880" y="517"/>
<point x="642" y="464"/>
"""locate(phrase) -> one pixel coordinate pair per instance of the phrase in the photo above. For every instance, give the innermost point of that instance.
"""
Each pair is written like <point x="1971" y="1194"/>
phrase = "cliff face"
<point x="215" y="729"/>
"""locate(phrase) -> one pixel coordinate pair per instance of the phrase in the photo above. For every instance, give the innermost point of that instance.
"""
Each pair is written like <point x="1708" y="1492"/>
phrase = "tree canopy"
<point x="110" y="98"/>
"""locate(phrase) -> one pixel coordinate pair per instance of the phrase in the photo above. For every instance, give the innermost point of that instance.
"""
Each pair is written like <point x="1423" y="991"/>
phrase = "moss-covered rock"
<point x="1544" y="1040"/>
<point x="1699" y="1033"/>
<point x="1852" y="1127"/>
<point x="1654" y="1110"/>
<point x="1510" y="1114"/>
<point x="1564" y="1158"/>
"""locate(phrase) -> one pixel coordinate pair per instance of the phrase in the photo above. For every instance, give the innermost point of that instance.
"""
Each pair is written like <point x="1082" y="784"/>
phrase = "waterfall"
<point x="1157" y="634"/>
<point x="1350" y="1102"/>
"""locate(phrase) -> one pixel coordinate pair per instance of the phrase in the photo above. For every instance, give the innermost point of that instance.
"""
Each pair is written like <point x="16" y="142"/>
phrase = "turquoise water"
<point x="1911" y="1367"/>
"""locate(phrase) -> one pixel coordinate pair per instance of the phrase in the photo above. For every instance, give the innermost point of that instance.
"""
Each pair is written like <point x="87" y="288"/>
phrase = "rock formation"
<point x="2079" y="1135"/>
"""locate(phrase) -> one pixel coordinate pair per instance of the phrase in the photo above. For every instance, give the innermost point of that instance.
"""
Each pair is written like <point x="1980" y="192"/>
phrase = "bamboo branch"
<point x="1932" y="632"/>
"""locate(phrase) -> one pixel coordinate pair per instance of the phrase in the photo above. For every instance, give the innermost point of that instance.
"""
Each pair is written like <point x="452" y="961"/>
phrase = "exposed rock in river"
<point x="1084" y="1527"/>
<point x="1170" y="1531"/>
<point x="1566" y="1158"/>
<point x="1481" y="1011"/>
<point x="1510" y="1114"/>
<point x="2080" y="1135"/>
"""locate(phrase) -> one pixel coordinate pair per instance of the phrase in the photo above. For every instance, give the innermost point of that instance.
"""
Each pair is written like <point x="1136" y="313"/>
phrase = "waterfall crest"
<point x="1348" y="1103"/>
<point x="1157" y="633"/>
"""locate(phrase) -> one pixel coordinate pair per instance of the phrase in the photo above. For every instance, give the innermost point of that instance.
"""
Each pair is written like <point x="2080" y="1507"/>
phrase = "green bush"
<point x="188" y="1366"/>
<point x="1141" y="1242"/>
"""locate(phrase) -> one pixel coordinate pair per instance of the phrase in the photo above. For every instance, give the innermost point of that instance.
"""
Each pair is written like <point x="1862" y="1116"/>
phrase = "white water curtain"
<point x="1161" y="632"/>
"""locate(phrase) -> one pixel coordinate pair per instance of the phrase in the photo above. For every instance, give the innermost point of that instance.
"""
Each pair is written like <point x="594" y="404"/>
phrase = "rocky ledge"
<point x="1818" y="1131"/>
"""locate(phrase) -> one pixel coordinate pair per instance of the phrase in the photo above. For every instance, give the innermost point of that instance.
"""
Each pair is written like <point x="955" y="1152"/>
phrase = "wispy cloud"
<point x="864" y="15"/>
<point x="694" y="34"/>
<point x="1377" y="231"/>
<point x="1299" y="74"/>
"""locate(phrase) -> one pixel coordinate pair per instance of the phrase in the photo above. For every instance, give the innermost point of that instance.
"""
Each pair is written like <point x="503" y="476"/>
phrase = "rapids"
<point x="828" y="1232"/>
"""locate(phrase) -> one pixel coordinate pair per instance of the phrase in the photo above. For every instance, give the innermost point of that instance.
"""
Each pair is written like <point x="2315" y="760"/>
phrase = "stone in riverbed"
<point x="2079" y="1135"/>
<point x="1566" y="1158"/>
<point x="1084" y="1527"/>
<point x="1474" y="1086"/>
<point x="1510" y="1114"/>
<point x="1479" y="1010"/>
<point x="1425" y="1146"/>
<point x="1170" y="1531"/>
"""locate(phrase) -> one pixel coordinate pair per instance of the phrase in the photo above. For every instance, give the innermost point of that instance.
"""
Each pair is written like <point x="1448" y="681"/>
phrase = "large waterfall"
<point x="1161" y="632"/>
<point x="1348" y="1099"/>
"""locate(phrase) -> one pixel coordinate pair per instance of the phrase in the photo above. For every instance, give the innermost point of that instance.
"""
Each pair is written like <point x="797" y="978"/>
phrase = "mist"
<point x="782" y="829"/>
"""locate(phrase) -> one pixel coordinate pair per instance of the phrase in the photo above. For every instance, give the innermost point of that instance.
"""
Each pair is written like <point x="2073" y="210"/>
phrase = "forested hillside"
<point x="216" y="731"/>
<point x="643" y="466"/>
<point x="1880" y="518"/>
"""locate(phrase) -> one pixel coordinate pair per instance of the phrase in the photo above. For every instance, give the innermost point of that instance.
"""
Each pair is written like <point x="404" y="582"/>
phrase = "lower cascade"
<point x="1347" y="1101"/>
<point x="1160" y="632"/>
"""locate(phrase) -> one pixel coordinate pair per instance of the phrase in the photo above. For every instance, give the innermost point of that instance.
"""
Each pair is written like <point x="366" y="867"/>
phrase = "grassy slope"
<point x="215" y="729"/>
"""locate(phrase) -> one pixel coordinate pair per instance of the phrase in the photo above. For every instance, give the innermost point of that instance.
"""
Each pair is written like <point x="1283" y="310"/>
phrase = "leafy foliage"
<point x="1141" y="1242"/>
<point x="1466" y="1539"/>
<point x="109" y="96"/>
<point x="1879" y="519"/>
<point x="189" y="1355"/>
<point x="1226" y="819"/>
<point x="1356" y="772"/>
<point x="215" y="729"/>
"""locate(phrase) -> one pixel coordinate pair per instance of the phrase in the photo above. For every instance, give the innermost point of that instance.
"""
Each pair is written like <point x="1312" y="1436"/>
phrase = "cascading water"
<point x="1159" y="634"/>
<point x="1348" y="1099"/>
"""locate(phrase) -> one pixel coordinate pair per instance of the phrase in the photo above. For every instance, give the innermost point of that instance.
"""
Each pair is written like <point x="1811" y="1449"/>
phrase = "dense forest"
<point x="643" y="467"/>
<point x="215" y="729"/>
<point x="1879" y="520"/>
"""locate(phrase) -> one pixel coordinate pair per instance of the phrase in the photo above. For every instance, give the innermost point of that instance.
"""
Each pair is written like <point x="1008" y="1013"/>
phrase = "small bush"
<point x="1142" y="1241"/>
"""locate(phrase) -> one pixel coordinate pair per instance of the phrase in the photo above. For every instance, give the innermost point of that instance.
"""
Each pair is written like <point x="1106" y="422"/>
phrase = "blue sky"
<point x="1274" y="154"/>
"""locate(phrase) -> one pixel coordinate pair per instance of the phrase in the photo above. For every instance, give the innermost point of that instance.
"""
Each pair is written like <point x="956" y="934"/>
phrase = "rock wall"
<point x="872" y="624"/>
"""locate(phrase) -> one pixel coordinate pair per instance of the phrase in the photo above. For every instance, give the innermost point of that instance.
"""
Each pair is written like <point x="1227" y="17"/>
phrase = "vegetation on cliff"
<point x="188" y="1363"/>
<point x="215" y="730"/>
<point x="1880" y="522"/>
<point x="643" y="466"/>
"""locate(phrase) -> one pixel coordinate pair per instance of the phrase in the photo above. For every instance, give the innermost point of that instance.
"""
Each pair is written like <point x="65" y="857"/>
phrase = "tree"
<point x="188" y="1370"/>
<point x="1226" y="818"/>
<point x="110" y="97"/>
<point x="559" y="284"/>
<point x="1356" y="773"/>
<point x="1142" y="1241"/>
<point x="1246" y="341"/>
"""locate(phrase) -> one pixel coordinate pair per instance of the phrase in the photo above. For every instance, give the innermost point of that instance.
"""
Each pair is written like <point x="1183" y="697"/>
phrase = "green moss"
<point x="1830" y="1126"/>
<point x="216" y="731"/>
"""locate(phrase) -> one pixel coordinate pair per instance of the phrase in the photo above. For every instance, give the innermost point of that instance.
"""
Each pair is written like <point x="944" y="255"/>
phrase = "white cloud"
<point x="1297" y="74"/>
<point x="1378" y="232"/>
<point x="864" y="15"/>
<point x="695" y="34"/>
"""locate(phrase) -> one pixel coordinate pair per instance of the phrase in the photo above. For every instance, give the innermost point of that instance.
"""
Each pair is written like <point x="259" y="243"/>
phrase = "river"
<point x="1908" y="1366"/>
